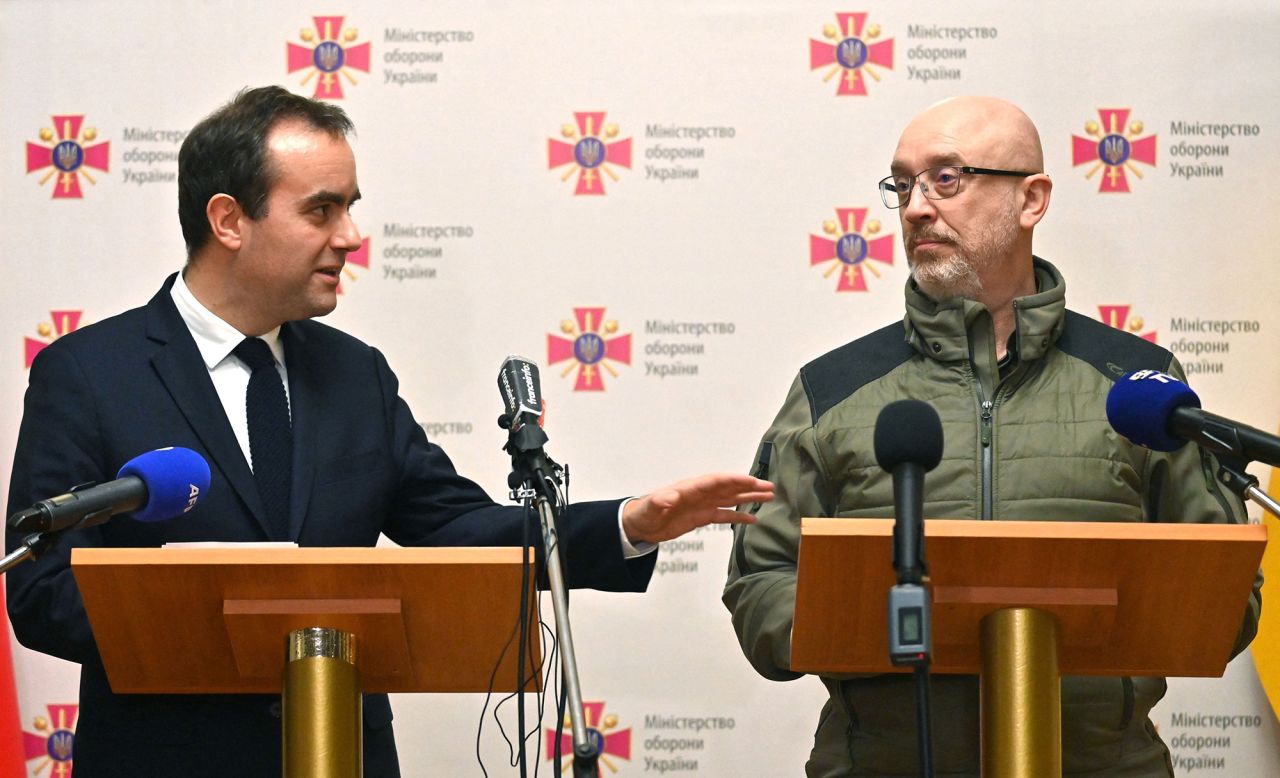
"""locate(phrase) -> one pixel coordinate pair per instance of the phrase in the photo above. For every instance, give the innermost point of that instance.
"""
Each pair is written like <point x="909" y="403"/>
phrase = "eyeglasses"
<point x="936" y="183"/>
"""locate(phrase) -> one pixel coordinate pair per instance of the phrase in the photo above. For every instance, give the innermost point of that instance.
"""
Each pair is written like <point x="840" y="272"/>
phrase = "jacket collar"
<point x="943" y="331"/>
<point x="184" y="374"/>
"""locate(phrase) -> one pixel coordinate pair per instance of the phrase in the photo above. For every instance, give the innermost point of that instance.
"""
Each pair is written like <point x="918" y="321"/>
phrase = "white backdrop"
<point x="743" y="143"/>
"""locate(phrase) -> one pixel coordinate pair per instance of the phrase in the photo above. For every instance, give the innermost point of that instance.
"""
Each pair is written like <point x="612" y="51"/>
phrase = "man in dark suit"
<point x="266" y="184"/>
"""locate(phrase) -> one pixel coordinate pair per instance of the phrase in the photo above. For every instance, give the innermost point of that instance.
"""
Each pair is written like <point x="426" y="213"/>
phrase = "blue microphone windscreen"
<point x="1140" y="405"/>
<point x="176" y="479"/>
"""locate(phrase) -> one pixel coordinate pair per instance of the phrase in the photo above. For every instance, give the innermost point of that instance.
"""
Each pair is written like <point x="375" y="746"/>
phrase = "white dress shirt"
<point x="215" y="339"/>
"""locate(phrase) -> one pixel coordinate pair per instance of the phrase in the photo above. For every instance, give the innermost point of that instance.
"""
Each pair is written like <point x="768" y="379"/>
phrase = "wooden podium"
<point x="220" y="620"/>
<point x="1022" y="602"/>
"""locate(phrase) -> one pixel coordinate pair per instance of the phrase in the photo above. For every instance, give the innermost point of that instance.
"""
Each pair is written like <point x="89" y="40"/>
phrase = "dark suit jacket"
<point x="362" y="467"/>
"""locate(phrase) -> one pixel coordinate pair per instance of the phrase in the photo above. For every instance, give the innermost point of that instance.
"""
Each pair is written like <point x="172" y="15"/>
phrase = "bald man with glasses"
<point x="1020" y="384"/>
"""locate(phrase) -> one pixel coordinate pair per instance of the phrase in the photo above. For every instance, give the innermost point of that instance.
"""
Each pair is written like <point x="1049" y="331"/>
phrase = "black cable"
<point x="493" y="677"/>
<point x="524" y="630"/>
<point x="923" y="720"/>
<point x="521" y="624"/>
<point x="546" y="634"/>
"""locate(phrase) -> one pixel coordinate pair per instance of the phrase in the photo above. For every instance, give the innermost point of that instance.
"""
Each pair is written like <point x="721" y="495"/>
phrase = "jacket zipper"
<point x="988" y="459"/>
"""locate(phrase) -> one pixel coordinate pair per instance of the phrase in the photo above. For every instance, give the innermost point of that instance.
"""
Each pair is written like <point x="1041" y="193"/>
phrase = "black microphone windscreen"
<point x="908" y="431"/>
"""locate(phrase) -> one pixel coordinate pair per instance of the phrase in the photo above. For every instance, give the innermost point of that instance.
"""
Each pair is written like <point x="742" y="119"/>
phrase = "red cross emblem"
<point x="329" y="55"/>
<point x="849" y="248"/>
<point x="1113" y="146"/>
<point x="589" y="150"/>
<point x="609" y="741"/>
<point x="592" y="344"/>
<point x="70" y="156"/>
<point x="849" y="53"/>
<point x="53" y="742"/>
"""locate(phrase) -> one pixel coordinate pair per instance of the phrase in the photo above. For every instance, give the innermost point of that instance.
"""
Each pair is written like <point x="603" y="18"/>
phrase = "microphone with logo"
<point x="155" y="486"/>
<point x="522" y="398"/>
<point x="1159" y="412"/>
<point x="908" y="444"/>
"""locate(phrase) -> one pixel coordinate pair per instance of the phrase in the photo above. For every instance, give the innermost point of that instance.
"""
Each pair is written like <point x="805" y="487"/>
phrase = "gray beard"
<point x="959" y="274"/>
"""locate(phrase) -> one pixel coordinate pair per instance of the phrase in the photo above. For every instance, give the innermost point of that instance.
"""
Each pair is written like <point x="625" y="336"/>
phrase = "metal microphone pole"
<point x="33" y="546"/>
<point x="541" y="479"/>
<point x="1232" y="475"/>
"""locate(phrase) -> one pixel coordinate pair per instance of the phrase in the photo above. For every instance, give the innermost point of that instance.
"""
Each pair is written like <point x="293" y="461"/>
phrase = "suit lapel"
<point x="178" y="364"/>
<point x="304" y="394"/>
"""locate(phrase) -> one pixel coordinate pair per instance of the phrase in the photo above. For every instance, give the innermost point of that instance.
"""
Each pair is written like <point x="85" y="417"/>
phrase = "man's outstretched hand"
<point x="673" y="510"/>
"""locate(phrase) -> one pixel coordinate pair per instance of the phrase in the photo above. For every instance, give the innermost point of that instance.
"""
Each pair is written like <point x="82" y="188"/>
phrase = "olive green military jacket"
<point x="1025" y="440"/>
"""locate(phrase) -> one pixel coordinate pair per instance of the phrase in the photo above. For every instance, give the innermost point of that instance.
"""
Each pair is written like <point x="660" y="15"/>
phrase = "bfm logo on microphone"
<point x="331" y="58"/>
<point x="1152" y="375"/>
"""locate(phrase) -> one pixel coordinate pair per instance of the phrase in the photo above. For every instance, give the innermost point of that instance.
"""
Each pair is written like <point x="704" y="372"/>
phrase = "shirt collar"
<point x="215" y="338"/>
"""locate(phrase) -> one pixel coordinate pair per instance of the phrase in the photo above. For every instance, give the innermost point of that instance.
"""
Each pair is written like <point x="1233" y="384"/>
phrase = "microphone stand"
<point x="37" y="543"/>
<point x="1232" y="475"/>
<point x="32" y="547"/>
<point x="910" y="609"/>
<point x="540" y="479"/>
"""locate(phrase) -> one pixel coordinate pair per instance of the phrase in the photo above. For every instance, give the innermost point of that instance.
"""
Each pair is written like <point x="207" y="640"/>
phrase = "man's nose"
<point x="919" y="208"/>
<point x="347" y="236"/>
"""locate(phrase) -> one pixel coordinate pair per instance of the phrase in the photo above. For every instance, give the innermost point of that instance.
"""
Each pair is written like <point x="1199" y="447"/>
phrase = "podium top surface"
<point x="1130" y="598"/>
<point x="214" y="619"/>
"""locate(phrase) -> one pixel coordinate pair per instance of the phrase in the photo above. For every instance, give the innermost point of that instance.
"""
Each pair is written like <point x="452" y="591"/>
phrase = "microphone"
<point x="522" y="400"/>
<point x="908" y="444"/>
<point x="1159" y="412"/>
<point x="154" y="486"/>
<point x="521" y="393"/>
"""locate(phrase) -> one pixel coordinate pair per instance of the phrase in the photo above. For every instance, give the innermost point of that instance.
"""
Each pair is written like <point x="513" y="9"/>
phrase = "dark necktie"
<point x="270" y="433"/>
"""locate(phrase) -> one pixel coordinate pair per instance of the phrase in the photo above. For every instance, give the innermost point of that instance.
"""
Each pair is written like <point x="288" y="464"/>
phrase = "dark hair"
<point x="227" y="153"/>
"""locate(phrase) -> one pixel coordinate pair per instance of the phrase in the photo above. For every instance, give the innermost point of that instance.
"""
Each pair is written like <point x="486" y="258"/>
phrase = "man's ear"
<point x="225" y="220"/>
<point x="1035" y="199"/>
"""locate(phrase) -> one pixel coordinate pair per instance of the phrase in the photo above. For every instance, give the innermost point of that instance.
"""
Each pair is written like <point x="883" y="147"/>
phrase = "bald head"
<point x="981" y="131"/>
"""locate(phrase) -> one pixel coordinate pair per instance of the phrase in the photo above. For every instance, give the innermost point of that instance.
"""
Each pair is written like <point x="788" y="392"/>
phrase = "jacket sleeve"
<point x="58" y="447"/>
<point x="1182" y="486"/>
<point x="761" y="589"/>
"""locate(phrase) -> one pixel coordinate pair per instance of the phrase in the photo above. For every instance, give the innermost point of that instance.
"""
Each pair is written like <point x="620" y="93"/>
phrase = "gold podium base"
<point x="323" y="727"/>
<point x="1021" y="695"/>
